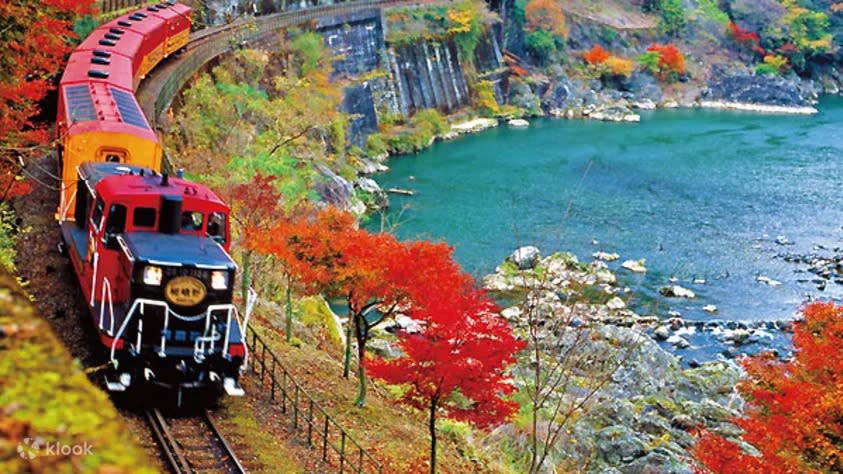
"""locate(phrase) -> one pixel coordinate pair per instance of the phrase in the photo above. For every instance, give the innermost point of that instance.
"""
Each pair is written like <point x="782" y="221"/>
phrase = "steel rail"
<point x="166" y="441"/>
<point x="232" y="457"/>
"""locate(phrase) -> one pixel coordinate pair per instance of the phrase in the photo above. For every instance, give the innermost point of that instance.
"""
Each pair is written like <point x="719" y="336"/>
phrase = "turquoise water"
<point x="699" y="194"/>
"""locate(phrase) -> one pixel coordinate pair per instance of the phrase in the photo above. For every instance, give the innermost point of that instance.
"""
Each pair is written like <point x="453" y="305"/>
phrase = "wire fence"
<point x="336" y="447"/>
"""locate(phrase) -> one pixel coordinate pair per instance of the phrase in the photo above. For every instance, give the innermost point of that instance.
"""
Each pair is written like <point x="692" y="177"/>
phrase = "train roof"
<point x="129" y="44"/>
<point x="98" y="66"/>
<point x="173" y="249"/>
<point x="147" y="26"/>
<point x="117" y="179"/>
<point x="165" y="13"/>
<point x="93" y="105"/>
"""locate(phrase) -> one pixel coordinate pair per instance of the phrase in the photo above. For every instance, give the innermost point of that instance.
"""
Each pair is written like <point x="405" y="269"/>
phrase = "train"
<point x="150" y="250"/>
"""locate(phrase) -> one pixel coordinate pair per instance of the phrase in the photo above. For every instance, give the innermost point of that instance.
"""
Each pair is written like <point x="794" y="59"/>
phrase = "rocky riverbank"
<point x="644" y="417"/>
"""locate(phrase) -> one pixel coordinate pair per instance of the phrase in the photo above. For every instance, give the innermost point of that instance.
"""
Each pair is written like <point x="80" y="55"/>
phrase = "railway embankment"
<point x="52" y="418"/>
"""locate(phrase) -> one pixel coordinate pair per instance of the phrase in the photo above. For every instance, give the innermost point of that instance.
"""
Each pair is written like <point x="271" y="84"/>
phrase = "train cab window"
<point x="143" y="217"/>
<point x="116" y="222"/>
<point x="96" y="217"/>
<point x="216" y="226"/>
<point x="113" y="156"/>
<point x="191" y="220"/>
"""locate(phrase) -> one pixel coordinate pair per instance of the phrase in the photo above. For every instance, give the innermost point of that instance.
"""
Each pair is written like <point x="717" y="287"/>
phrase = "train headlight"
<point x="152" y="275"/>
<point x="219" y="280"/>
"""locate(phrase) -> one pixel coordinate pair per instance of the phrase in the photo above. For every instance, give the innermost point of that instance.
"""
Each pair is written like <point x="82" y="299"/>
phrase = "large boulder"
<point x="525" y="258"/>
<point x="743" y="87"/>
<point x="337" y="191"/>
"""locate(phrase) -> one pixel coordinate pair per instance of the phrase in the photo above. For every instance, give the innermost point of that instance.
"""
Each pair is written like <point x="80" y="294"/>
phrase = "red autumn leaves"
<point x="794" y="414"/>
<point x="464" y="345"/>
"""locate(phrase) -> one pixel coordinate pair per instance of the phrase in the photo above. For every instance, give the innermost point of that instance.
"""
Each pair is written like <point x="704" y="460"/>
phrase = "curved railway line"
<point x="192" y="443"/>
<point x="157" y="91"/>
<point x="186" y="443"/>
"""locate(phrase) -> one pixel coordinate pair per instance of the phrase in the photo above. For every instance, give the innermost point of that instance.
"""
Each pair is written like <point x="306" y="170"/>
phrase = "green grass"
<point x="271" y="454"/>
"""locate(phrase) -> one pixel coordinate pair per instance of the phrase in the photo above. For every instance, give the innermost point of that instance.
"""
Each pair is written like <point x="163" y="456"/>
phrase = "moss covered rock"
<point x="52" y="419"/>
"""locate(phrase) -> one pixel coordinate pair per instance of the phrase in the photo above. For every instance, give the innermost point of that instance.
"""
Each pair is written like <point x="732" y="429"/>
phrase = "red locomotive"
<point x="151" y="254"/>
<point x="150" y="251"/>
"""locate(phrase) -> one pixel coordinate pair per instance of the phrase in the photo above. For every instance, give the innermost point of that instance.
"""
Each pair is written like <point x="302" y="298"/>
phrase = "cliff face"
<point x="401" y="79"/>
<point x="748" y="53"/>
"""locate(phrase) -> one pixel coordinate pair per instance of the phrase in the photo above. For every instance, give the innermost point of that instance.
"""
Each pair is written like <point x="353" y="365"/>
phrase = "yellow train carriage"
<point x="101" y="123"/>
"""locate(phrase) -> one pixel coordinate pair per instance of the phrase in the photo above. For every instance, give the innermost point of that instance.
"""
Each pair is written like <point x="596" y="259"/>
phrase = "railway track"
<point x="192" y="443"/>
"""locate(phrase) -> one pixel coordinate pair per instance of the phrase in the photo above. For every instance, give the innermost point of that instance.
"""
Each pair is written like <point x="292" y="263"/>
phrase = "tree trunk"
<point x="288" y="327"/>
<point x="246" y="280"/>
<point x="361" y="332"/>
<point x="346" y="367"/>
<point x="432" y="427"/>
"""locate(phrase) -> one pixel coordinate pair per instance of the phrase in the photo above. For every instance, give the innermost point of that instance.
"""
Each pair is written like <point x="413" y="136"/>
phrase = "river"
<point x="698" y="194"/>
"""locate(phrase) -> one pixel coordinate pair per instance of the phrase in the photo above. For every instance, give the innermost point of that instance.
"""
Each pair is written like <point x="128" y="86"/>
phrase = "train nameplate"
<point x="185" y="291"/>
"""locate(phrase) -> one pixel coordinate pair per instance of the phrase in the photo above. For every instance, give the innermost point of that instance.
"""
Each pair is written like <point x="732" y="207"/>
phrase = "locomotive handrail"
<point x="70" y="202"/>
<point x="143" y="302"/>
<point x="106" y="285"/>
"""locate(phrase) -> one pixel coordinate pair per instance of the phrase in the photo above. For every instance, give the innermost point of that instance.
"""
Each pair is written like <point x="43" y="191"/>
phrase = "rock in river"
<point x="676" y="291"/>
<point x="635" y="266"/>
<point x="525" y="257"/>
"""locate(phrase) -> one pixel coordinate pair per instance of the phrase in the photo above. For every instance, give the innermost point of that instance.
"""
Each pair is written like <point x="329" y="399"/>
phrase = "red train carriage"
<point x="99" y="118"/>
<point x="151" y="255"/>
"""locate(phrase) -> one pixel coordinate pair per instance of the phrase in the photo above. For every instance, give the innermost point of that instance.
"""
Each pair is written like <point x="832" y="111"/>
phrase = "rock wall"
<point x="401" y="79"/>
<point x="428" y="76"/>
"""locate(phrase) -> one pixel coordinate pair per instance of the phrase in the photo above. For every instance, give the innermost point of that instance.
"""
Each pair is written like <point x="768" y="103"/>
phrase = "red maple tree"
<point x="254" y="206"/>
<point x="457" y="366"/>
<point x="794" y="415"/>
<point x="301" y="242"/>
<point x="35" y="39"/>
<point x="671" y="60"/>
<point x="596" y="55"/>
<point x="746" y="38"/>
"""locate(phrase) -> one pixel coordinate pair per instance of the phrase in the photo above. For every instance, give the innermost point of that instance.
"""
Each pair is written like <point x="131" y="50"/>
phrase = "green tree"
<point x="672" y="17"/>
<point x="541" y="45"/>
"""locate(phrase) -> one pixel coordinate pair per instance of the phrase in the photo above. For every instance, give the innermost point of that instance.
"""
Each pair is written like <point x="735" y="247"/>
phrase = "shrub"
<point x="773" y="64"/>
<point x="620" y="66"/>
<point x="596" y="55"/>
<point x="375" y="145"/>
<point x="429" y="120"/>
<point x="541" y="45"/>
<point x="711" y="10"/>
<point x="484" y="98"/>
<point x="663" y="60"/>
<point x="650" y="61"/>
<point x="8" y="237"/>
<point x="749" y="39"/>
<point x="672" y="17"/>
<point x="546" y="15"/>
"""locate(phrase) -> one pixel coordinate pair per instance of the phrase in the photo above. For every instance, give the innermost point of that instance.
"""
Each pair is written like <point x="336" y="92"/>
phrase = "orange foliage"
<point x="546" y="15"/>
<point x="596" y="55"/>
<point x="620" y="66"/>
<point x="836" y="7"/>
<point x="795" y="406"/>
<point x="671" y="59"/>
